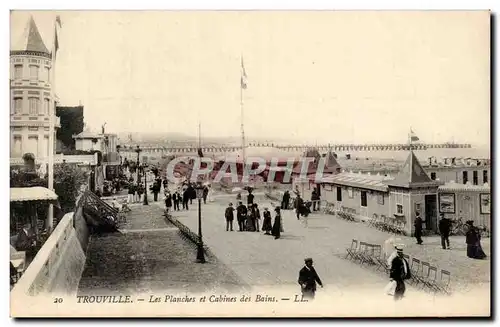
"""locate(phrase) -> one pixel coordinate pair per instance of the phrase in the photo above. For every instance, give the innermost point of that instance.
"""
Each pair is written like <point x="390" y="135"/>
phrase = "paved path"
<point x="150" y="256"/>
<point x="260" y="260"/>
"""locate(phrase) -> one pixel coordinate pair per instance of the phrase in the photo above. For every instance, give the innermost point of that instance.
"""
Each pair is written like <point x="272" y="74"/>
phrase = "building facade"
<point x="31" y="95"/>
<point x="399" y="198"/>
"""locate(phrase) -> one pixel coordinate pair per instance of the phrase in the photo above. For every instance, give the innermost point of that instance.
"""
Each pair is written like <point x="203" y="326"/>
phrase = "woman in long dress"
<point x="249" y="226"/>
<point x="276" y="231"/>
<point x="267" y="224"/>
<point x="473" y="240"/>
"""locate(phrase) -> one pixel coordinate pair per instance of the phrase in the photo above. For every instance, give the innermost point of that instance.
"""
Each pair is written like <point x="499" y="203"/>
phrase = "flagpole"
<point x="242" y="117"/>
<point x="52" y="108"/>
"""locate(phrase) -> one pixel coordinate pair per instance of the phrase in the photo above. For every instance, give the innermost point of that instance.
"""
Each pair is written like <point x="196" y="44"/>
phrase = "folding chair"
<point x="363" y="252"/>
<point x="444" y="282"/>
<point x="416" y="271"/>
<point x="371" y="254"/>
<point x="372" y="220"/>
<point x="382" y="261"/>
<point x="425" y="273"/>
<point x="432" y="279"/>
<point x="351" y="252"/>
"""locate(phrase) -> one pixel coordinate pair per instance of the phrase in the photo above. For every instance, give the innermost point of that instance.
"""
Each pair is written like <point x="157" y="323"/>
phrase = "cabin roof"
<point x="456" y="187"/>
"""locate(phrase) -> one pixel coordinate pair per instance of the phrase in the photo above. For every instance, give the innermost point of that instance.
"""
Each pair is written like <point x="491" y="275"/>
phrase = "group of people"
<point x="248" y="217"/>
<point x="472" y="236"/>
<point x="185" y="195"/>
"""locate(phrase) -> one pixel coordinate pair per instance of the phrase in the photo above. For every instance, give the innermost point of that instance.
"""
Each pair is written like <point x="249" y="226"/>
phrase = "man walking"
<point x="400" y="270"/>
<point x="418" y="228"/>
<point x="229" y="217"/>
<point x="308" y="279"/>
<point x="185" y="199"/>
<point x="444" y="230"/>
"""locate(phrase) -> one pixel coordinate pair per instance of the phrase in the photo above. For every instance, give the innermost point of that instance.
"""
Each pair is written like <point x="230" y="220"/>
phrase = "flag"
<point x="56" y="41"/>
<point x="243" y="76"/>
<point x="413" y="136"/>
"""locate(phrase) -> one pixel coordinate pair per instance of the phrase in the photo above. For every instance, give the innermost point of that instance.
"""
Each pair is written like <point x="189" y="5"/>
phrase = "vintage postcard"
<point x="250" y="164"/>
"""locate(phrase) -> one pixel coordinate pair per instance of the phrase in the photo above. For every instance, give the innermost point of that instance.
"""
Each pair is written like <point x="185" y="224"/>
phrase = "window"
<point x="465" y="177"/>
<point x="46" y="105"/>
<point x="350" y="192"/>
<point x="380" y="199"/>
<point x="47" y="74"/>
<point x="399" y="209"/>
<point x="474" y="177"/>
<point x="18" y="71"/>
<point x="33" y="106"/>
<point x="18" y="106"/>
<point x="433" y="176"/>
<point x="33" y="72"/>
<point x="339" y="194"/>
<point x="364" y="201"/>
<point x="485" y="176"/>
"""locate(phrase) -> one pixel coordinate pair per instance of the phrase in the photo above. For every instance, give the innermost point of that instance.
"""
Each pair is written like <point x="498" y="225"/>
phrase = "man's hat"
<point x="399" y="247"/>
<point x="277" y="209"/>
<point x="230" y="203"/>
<point x="308" y="260"/>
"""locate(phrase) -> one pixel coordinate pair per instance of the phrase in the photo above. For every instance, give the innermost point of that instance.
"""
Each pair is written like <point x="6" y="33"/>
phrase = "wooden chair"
<point x="351" y="252"/>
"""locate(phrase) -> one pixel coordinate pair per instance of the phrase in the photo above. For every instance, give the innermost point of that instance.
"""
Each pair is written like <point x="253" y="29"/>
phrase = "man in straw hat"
<point x="400" y="270"/>
<point x="308" y="277"/>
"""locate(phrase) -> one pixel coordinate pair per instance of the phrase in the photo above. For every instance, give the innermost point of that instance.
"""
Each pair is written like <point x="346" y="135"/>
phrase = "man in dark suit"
<point x="241" y="215"/>
<point x="185" y="199"/>
<point x="444" y="230"/>
<point x="418" y="228"/>
<point x="308" y="279"/>
<point x="229" y="214"/>
<point x="177" y="198"/>
<point x="400" y="270"/>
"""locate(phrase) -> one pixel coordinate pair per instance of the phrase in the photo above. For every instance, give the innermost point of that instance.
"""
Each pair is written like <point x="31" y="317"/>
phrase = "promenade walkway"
<point x="149" y="255"/>
<point x="265" y="263"/>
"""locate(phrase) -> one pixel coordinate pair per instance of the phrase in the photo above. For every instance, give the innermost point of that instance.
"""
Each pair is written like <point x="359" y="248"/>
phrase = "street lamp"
<point x="138" y="150"/>
<point x="200" y="256"/>
<point x="145" y="186"/>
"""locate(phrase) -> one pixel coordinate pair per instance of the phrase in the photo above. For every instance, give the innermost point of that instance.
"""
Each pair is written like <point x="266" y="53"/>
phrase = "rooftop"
<point x="453" y="186"/>
<point x="366" y="181"/>
<point x="31" y="39"/>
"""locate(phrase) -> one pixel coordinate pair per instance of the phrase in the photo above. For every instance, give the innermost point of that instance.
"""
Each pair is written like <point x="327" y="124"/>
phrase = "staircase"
<point x="98" y="214"/>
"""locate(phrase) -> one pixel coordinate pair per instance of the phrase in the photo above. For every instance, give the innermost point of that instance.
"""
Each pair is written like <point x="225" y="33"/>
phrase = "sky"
<point x="332" y="76"/>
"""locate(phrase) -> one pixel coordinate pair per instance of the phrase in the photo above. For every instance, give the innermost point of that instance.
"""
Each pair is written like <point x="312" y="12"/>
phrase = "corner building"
<point x="31" y="96"/>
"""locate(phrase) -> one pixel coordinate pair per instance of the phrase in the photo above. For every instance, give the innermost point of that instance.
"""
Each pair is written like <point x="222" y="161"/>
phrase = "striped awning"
<point x="38" y="193"/>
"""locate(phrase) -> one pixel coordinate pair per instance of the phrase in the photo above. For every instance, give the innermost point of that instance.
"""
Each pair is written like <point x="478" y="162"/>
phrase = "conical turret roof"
<point x="412" y="175"/>
<point x="31" y="39"/>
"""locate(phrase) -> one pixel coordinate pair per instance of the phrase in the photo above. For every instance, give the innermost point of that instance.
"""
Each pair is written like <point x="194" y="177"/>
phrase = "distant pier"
<point x="299" y="148"/>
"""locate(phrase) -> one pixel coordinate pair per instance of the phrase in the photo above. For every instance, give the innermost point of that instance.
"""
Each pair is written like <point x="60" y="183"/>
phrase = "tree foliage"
<point x="71" y="124"/>
<point x="68" y="179"/>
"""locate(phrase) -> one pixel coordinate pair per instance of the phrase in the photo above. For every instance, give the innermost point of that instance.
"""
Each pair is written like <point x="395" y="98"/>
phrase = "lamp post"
<point x="138" y="150"/>
<point x="145" y="185"/>
<point x="200" y="256"/>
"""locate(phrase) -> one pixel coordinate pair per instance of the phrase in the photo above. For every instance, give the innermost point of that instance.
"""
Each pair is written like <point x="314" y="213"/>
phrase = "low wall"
<point x="58" y="266"/>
